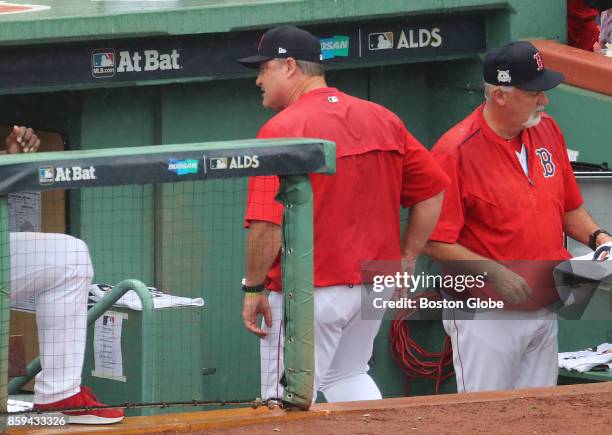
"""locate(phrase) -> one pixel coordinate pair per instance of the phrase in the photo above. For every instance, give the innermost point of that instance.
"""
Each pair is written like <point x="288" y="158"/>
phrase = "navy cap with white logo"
<point x="519" y="64"/>
<point x="284" y="42"/>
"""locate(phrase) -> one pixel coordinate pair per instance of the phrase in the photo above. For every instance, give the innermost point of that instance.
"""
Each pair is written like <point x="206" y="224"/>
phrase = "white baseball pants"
<point x="503" y="350"/>
<point x="343" y="347"/>
<point x="55" y="270"/>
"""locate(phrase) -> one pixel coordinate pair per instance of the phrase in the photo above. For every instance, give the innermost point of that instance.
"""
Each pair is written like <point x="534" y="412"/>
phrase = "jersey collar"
<point x="317" y="92"/>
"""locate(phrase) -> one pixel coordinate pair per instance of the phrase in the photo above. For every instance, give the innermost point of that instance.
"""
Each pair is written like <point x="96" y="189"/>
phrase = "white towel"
<point x="131" y="300"/>
<point x="18" y="405"/>
<point x="585" y="360"/>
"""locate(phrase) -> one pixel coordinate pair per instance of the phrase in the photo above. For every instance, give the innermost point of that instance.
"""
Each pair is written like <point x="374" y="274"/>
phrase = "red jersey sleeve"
<point x="261" y="202"/>
<point x="261" y="195"/>
<point x="452" y="216"/>
<point x="422" y="176"/>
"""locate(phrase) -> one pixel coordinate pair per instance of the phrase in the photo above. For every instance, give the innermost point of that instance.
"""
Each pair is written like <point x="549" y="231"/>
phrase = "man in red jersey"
<point x="582" y="29"/>
<point x="513" y="195"/>
<point x="380" y="166"/>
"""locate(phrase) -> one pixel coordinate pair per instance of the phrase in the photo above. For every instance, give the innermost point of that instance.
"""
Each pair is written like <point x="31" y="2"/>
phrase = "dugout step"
<point x="225" y="419"/>
<point x="569" y="377"/>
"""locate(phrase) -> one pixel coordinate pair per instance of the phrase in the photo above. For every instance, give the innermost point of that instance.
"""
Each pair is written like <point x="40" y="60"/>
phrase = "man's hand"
<point x="22" y="139"/>
<point x="408" y="266"/>
<point x="602" y="239"/>
<point x="252" y="307"/>
<point x="510" y="286"/>
<point x="597" y="48"/>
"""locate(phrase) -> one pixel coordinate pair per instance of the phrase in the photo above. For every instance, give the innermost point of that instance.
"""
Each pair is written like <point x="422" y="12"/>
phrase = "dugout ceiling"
<point x="63" y="44"/>
<point x="64" y="20"/>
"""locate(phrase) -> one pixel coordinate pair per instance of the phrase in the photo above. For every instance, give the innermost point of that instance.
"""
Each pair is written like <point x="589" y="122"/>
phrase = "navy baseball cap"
<point x="519" y="64"/>
<point x="283" y="42"/>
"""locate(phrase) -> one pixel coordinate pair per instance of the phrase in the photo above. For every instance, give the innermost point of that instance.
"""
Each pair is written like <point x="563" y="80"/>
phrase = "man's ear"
<point x="498" y="96"/>
<point x="291" y="66"/>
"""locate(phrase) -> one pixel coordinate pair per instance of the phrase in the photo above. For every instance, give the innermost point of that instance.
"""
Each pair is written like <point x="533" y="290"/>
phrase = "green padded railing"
<point x="290" y="159"/>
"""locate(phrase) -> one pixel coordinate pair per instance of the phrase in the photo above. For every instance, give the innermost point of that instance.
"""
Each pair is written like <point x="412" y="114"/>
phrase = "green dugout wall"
<point x="64" y="82"/>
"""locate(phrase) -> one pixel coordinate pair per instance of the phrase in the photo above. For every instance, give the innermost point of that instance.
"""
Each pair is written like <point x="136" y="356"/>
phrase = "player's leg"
<point x="347" y="377"/>
<point x="540" y="364"/>
<point x="486" y="352"/>
<point x="333" y="309"/>
<point x="55" y="269"/>
<point x="271" y="350"/>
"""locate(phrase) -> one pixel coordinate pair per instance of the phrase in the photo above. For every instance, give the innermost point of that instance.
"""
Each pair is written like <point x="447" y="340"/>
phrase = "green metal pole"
<point x="297" y="270"/>
<point x="5" y="300"/>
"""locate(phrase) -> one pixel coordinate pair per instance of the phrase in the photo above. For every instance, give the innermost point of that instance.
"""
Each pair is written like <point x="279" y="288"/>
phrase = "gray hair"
<point x="488" y="89"/>
<point x="311" y="68"/>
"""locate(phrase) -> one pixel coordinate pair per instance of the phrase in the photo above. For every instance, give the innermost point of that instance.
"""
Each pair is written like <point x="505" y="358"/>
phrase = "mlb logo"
<point x="103" y="63"/>
<point x="46" y="174"/>
<point x="218" y="163"/>
<point x="380" y="41"/>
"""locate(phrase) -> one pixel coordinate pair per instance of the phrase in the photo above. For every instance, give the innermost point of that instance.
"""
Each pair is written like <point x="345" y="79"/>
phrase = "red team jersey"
<point x="582" y="30"/>
<point x="493" y="208"/>
<point x="379" y="166"/>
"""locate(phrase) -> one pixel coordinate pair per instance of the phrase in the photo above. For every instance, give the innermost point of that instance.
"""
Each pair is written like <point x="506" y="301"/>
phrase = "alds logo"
<point x="244" y="162"/>
<point x="238" y="162"/>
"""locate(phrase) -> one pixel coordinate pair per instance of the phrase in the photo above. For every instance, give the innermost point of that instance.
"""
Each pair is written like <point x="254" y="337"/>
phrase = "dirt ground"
<point x="583" y="414"/>
<point x="582" y="409"/>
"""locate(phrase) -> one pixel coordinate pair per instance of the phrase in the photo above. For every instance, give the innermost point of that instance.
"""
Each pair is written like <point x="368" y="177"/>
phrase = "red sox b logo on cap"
<point x="546" y="161"/>
<point x="538" y="60"/>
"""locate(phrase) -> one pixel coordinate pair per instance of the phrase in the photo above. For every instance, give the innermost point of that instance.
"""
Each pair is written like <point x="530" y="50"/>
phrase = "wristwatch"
<point x="593" y="237"/>
<point x="252" y="288"/>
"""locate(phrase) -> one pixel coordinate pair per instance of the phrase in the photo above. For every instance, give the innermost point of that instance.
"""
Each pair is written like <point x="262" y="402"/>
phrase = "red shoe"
<point x="83" y="399"/>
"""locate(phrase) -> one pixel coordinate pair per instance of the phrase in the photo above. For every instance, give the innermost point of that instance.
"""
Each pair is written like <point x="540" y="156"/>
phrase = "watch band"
<point x="593" y="237"/>
<point x="252" y="288"/>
